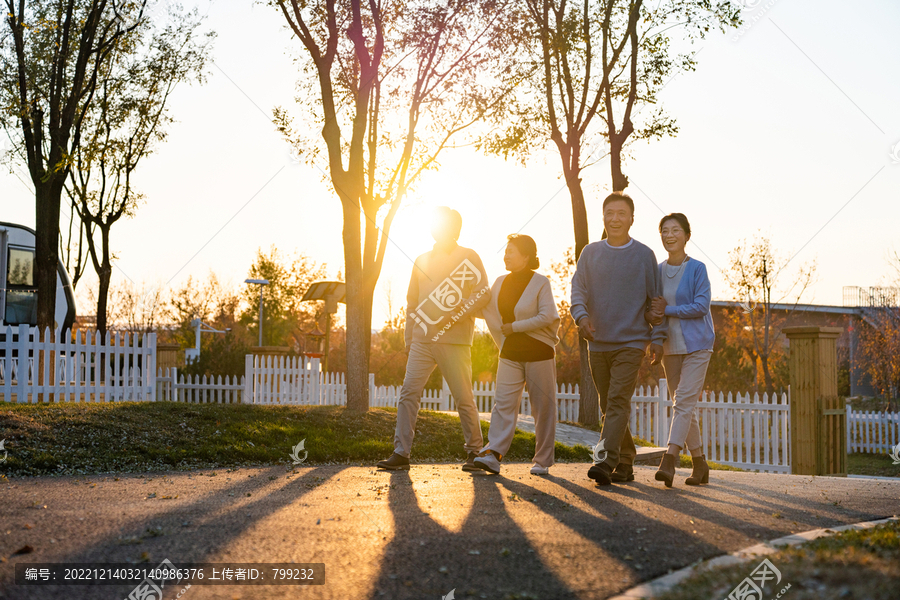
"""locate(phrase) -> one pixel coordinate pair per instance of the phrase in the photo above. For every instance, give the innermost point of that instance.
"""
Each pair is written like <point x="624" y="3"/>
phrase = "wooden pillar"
<point x="818" y="417"/>
<point x="167" y="357"/>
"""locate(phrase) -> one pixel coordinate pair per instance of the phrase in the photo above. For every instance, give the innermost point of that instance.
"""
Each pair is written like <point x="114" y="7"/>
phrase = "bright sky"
<point x="786" y="127"/>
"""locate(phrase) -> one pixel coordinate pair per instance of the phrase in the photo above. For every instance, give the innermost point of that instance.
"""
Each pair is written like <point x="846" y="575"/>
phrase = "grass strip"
<point x="68" y="439"/>
<point x="860" y="563"/>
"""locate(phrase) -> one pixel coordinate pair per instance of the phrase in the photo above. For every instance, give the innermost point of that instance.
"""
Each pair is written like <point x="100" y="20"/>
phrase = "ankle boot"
<point x="666" y="470"/>
<point x="700" y="473"/>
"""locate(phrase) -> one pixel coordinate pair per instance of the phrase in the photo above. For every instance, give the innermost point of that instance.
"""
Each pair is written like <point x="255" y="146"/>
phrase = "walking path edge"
<point x="656" y="587"/>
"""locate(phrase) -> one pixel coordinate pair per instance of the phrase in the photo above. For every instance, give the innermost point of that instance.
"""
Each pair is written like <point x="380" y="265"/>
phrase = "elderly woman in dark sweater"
<point x="523" y="320"/>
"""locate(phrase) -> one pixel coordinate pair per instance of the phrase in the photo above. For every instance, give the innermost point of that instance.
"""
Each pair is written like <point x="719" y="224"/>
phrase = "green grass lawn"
<point x="851" y="564"/>
<point x="872" y="464"/>
<point x="154" y="436"/>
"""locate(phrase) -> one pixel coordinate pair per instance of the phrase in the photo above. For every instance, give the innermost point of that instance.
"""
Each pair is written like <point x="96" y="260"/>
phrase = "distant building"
<point x="860" y="304"/>
<point x="85" y="322"/>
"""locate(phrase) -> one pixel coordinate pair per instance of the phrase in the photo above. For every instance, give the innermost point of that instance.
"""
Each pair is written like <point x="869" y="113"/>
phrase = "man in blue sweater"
<point x="614" y="283"/>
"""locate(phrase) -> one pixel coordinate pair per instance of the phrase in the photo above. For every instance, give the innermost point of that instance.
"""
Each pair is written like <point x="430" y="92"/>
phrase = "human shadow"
<point x="489" y="554"/>
<point x="643" y="541"/>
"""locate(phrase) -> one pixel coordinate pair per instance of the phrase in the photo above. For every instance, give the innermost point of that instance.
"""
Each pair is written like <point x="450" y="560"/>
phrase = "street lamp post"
<point x="260" y="283"/>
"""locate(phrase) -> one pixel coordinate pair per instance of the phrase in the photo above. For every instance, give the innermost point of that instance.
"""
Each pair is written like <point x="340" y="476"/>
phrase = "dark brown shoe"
<point x="700" y="473"/>
<point x="601" y="473"/>
<point x="394" y="463"/>
<point x="622" y="473"/>
<point x="666" y="471"/>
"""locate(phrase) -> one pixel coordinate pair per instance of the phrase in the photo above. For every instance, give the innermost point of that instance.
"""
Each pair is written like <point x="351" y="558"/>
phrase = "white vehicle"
<point x="18" y="290"/>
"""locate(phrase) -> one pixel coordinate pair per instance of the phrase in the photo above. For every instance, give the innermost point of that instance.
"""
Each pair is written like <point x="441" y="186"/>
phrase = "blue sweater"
<point x="612" y="286"/>
<point x="692" y="297"/>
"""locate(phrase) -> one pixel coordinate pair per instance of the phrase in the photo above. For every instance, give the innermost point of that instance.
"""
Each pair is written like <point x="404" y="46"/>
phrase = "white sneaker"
<point x="539" y="470"/>
<point x="488" y="462"/>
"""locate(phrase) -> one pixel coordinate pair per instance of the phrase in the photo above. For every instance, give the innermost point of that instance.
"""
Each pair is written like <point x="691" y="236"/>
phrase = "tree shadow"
<point x="803" y="505"/>
<point x="176" y="536"/>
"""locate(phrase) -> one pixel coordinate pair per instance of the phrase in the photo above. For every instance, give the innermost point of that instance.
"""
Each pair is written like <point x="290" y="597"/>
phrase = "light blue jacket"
<point x="692" y="297"/>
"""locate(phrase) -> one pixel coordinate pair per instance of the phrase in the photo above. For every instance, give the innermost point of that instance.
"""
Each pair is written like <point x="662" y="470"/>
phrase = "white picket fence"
<point x="870" y="431"/>
<point x="750" y="432"/>
<point x="743" y="430"/>
<point x="294" y="380"/>
<point x="172" y="387"/>
<point x="87" y="368"/>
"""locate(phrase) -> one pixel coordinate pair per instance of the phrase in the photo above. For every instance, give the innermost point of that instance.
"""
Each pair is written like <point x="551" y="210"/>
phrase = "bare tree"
<point x="72" y="247"/>
<point x="879" y="337"/>
<point x="135" y="308"/>
<point x="403" y="78"/>
<point x="755" y="274"/>
<point x="635" y="76"/>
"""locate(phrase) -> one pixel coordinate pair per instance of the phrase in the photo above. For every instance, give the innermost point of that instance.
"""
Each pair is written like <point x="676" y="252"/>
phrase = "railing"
<point x="871" y="297"/>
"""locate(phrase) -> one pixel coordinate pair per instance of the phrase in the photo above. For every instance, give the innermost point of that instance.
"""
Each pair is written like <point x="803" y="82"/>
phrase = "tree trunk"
<point x="767" y="376"/>
<point x="588" y="401"/>
<point x="105" y="275"/>
<point x="359" y="339"/>
<point x="619" y="180"/>
<point x="46" y="246"/>
<point x="755" y="373"/>
<point x="358" y="300"/>
<point x="47" y="198"/>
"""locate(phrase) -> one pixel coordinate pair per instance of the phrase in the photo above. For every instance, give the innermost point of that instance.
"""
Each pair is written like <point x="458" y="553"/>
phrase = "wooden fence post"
<point x="249" y="379"/>
<point x="22" y="364"/>
<point x="662" y="431"/>
<point x="818" y="438"/>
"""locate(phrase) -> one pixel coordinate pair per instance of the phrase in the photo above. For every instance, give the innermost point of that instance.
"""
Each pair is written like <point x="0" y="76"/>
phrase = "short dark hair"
<point x="525" y="244"/>
<point x="620" y="196"/>
<point x="682" y="220"/>
<point x="451" y="219"/>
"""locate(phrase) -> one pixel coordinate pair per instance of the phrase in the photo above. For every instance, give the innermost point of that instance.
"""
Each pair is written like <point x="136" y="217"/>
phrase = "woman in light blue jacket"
<point x="685" y="304"/>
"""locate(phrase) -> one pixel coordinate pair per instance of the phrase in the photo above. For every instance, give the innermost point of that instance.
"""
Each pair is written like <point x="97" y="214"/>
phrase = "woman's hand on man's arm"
<point x="656" y="312"/>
